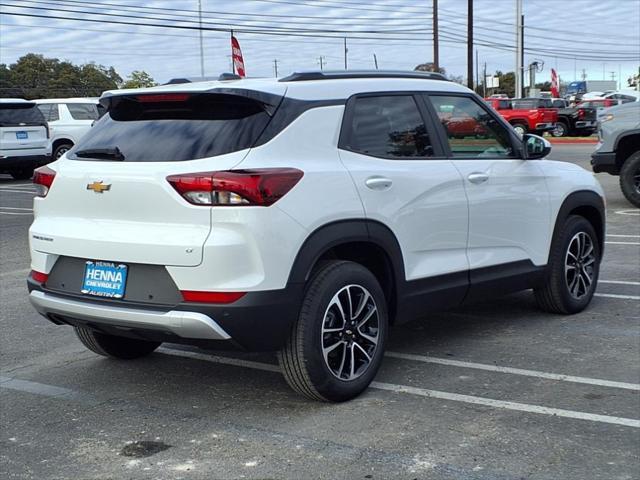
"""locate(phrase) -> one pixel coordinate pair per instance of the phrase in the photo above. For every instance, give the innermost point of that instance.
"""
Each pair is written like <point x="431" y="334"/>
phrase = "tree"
<point x="34" y="76"/>
<point x="634" y="80"/>
<point x="429" y="67"/>
<point x="139" y="79"/>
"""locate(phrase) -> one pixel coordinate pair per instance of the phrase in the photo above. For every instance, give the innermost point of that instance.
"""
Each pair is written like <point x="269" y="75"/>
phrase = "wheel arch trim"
<point x="578" y="199"/>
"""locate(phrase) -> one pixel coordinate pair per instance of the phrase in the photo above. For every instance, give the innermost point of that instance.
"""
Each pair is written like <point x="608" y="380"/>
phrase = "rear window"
<point x="16" y="114"/>
<point x="173" y="127"/>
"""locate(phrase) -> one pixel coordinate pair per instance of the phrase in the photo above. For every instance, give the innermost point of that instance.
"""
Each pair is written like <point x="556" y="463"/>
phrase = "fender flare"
<point x="340" y="232"/>
<point x="627" y="133"/>
<point x="577" y="199"/>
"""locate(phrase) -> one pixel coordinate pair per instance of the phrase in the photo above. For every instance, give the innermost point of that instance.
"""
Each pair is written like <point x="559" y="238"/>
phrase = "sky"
<point x="600" y="36"/>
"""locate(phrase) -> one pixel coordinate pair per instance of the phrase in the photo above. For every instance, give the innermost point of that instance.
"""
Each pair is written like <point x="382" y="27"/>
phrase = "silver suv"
<point x="619" y="150"/>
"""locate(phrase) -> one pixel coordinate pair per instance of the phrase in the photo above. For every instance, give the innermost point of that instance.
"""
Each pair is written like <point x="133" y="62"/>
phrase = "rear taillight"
<point x="581" y="113"/>
<point x="39" y="276"/>
<point x="211" y="297"/>
<point x="259" y="187"/>
<point x="43" y="177"/>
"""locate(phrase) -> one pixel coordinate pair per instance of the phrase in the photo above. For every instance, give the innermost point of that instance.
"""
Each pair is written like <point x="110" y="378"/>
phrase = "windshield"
<point x="173" y="127"/>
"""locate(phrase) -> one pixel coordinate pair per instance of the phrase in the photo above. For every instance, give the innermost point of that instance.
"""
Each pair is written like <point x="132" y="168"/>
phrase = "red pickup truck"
<point x="527" y="114"/>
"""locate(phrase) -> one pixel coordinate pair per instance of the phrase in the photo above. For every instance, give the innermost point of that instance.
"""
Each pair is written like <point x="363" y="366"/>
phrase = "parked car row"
<point x="539" y="115"/>
<point x="32" y="133"/>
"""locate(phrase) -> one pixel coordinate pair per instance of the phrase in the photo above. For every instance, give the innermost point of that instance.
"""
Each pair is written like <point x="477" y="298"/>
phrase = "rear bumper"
<point x="543" y="127"/>
<point x="12" y="163"/>
<point x="181" y="324"/>
<point x="604" y="162"/>
<point x="259" y="321"/>
<point x="586" y="124"/>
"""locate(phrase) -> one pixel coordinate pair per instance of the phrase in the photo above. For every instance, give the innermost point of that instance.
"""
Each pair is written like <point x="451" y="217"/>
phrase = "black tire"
<point x="302" y="359"/>
<point x="555" y="295"/>
<point x="561" y="130"/>
<point x="520" y="128"/>
<point x="61" y="150"/>
<point x="122" y="348"/>
<point x="24" y="174"/>
<point x="630" y="179"/>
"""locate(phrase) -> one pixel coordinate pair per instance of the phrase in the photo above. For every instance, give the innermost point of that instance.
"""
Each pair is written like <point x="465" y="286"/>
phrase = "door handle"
<point x="378" y="183"/>
<point x="478" y="177"/>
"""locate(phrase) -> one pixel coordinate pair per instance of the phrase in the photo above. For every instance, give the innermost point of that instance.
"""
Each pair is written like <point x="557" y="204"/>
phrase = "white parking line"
<point x="15" y="272"/>
<point x="614" y="295"/>
<point x="622" y="236"/>
<point x="520" y="407"/>
<point x="14" y="213"/>
<point x="488" y="402"/>
<point x="44" y="389"/>
<point x="619" y="282"/>
<point x="622" y="243"/>
<point x="16" y="208"/>
<point x="31" y="192"/>
<point x="515" y="371"/>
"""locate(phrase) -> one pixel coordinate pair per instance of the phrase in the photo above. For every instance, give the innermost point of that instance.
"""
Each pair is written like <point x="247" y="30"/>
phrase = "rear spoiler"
<point x="269" y="101"/>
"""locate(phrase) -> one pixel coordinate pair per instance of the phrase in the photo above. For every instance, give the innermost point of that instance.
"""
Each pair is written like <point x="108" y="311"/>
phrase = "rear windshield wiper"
<point x="106" y="153"/>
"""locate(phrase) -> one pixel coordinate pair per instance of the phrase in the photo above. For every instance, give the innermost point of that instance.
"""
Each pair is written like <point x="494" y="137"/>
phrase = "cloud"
<point x="585" y="27"/>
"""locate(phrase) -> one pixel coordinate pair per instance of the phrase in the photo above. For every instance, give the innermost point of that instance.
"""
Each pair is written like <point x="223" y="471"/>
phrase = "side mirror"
<point x="535" y="146"/>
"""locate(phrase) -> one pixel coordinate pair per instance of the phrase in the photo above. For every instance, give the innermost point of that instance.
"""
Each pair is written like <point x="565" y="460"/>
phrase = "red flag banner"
<point x="238" y="61"/>
<point x="555" y="84"/>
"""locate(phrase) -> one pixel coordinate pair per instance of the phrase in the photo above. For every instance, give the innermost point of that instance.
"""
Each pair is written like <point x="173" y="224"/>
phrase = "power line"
<point x="218" y="25"/>
<point x="218" y="12"/>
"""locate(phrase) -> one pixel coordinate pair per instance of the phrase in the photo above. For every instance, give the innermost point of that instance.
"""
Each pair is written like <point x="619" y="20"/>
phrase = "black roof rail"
<point x="340" y="74"/>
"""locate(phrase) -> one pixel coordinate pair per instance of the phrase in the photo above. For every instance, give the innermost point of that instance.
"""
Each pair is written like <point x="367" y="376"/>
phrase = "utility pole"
<point x="321" y="61"/>
<point x="436" y="49"/>
<point x="584" y="74"/>
<point x="201" y="39"/>
<point x="484" y="81"/>
<point x="477" y="70"/>
<point x="470" y="44"/>
<point x="345" y="53"/>
<point x="522" y="53"/>
<point x="375" y="61"/>
<point x="613" y="76"/>
<point x="518" y="71"/>
<point x="275" y="66"/>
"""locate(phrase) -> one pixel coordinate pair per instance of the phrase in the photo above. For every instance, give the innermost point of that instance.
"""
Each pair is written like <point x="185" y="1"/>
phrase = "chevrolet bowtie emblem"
<point x="98" y="187"/>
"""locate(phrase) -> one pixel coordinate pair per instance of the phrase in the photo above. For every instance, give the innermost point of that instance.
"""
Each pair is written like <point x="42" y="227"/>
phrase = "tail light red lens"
<point x="581" y="113"/>
<point x="39" y="276"/>
<point x="211" y="297"/>
<point x="259" y="187"/>
<point x="163" y="97"/>
<point x="43" y="177"/>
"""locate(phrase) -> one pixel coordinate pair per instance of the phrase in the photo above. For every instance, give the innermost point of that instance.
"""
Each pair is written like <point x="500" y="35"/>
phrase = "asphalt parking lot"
<point x="498" y="390"/>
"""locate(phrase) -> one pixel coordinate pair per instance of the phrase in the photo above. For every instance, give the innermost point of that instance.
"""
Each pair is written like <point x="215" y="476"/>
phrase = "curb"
<point x="569" y="141"/>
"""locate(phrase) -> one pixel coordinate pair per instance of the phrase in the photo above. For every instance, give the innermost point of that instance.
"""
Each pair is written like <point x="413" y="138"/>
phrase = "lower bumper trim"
<point x="184" y="324"/>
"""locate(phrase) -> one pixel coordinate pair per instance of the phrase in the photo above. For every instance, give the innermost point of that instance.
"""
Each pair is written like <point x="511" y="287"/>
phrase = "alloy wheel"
<point x="350" y="332"/>
<point x="579" y="265"/>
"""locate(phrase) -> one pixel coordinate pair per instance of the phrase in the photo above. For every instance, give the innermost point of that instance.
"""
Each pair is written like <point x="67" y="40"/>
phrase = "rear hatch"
<point x="22" y="127"/>
<point x="110" y="199"/>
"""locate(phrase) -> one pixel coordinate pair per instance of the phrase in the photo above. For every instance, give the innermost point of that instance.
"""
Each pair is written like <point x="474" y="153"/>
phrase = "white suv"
<point x="69" y="120"/>
<point x="24" y="138"/>
<point x="304" y="215"/>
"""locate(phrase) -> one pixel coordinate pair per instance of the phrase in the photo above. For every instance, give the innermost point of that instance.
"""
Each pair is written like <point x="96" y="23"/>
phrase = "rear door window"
<point x="173" y="127"/>
<point x="17" y="114"/>
<point x="83" y="111"/>
<point x="388" y="127"/>
<point x="50" y="111"/>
